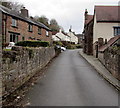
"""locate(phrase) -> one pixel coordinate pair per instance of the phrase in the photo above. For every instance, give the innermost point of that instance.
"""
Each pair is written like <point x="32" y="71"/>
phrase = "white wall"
<point x="73" y="38"/>
<point x="104" y="30"/>
<point x="54" y="38"/>
<point x="61" y="36"/>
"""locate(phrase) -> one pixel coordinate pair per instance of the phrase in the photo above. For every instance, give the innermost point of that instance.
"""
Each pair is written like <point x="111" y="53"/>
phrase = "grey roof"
<point x="21" y="17"/>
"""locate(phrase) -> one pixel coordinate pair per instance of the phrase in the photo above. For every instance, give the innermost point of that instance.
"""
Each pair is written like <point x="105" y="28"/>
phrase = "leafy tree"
<point x="43" y="19"/>
<point x="54" y="25"/>
<point x="12" y="5"/>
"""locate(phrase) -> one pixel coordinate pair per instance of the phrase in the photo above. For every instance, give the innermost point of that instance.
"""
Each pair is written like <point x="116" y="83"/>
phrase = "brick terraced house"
<point x="18" y="26"/>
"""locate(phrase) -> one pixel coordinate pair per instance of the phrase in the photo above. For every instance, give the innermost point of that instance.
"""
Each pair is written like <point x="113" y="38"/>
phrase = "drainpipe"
<point x="0" y="56"/>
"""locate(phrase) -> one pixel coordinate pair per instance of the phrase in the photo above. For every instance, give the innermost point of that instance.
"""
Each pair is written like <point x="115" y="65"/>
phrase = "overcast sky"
<point x="66" y="12"/>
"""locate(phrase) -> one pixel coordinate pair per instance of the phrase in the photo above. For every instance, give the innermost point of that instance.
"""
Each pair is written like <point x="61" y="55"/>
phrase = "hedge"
<point x="33" y="43"/>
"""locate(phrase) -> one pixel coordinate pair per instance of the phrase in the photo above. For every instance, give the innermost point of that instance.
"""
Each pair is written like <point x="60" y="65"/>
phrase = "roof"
<point x="110" y="42"/>
<point x="107" y="13"/>
<point x="89" y="19"/>
<point x="65" y="34"/>
<point x="54" y="32"/>
<point x="21" y="17"/>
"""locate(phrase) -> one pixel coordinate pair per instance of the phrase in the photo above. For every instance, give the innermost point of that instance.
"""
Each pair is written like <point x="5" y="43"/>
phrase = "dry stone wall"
<point x="20" y="64"/>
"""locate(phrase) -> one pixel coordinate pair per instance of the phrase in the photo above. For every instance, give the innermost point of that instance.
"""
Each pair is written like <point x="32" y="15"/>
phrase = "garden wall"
<point x="20" y="64"/>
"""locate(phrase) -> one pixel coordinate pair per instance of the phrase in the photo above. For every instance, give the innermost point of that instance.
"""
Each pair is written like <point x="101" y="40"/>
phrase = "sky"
<point x="66" y="12"/>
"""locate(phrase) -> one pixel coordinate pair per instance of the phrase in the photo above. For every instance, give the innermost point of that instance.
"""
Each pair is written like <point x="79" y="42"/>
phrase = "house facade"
<point x="73" y="37"/>
<point x="100" y="27"/>
<point x="19" y="27"/>
<point x="60" y="36"/>
<point x="88" y="34"/>
<point x="80" y="39"/>
<point x="106" y="24"/>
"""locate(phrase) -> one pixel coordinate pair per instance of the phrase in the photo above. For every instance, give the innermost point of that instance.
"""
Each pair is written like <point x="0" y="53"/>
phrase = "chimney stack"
<point x="86" y="14"/>
<point x="24" y="12"/>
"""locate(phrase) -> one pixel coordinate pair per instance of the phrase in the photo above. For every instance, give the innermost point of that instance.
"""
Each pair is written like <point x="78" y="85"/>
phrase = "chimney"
<point x="105" y="41"/>
<point x="86" y="14"/>
<point x="100" y="42"/>
<point x="24" y="12"/>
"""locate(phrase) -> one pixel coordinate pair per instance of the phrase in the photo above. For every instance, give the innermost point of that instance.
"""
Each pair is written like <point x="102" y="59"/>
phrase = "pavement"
<point x="101" y="69"/>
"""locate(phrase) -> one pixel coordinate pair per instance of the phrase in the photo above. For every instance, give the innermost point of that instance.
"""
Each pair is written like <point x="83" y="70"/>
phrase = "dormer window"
<point x="14" y="22"/>
<point x="30" y="28"/>
<point x="39" y="31"/>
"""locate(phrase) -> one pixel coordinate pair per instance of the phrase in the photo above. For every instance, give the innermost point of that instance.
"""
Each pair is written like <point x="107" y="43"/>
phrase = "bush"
<point x="71" y="46"/>
<point x="78" y="46"/>
<point x="33" y="44"/>
<point x="58" y="43"/>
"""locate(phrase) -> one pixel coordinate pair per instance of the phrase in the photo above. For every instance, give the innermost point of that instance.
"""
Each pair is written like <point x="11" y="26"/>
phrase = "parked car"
<point x="63" y="48"/>
<point x="11" y="44"/>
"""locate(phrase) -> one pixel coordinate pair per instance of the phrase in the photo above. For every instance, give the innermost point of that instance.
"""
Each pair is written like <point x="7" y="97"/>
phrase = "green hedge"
<point x="33" y="44"/>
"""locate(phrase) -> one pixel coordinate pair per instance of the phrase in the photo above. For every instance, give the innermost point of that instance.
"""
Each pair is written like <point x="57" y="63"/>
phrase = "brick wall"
<point x="88" y="39"/>
<point x="20" y="64"/>
<point x="23" y="30"/>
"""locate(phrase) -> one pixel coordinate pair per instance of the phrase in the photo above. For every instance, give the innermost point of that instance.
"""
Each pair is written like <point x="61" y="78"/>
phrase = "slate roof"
<point x="21" y="17"/>
<point x="110" y="42"/>
<point x="107" y="13"/>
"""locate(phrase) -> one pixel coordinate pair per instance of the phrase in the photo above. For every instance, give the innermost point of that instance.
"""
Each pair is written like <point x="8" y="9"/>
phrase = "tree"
<point x="43" y="19"/>
<point x="54" y="25"/>
<point x="13" y="5"/>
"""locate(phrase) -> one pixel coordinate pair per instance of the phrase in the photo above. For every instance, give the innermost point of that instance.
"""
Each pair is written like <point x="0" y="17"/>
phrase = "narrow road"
<point x="71" y="81"/>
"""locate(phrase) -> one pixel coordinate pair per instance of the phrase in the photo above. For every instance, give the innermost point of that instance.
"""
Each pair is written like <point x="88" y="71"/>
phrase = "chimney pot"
<point x="86" y="14"/>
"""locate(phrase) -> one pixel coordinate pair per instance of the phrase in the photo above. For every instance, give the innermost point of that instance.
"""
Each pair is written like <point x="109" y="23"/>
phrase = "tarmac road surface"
<point x="71" y="81"/>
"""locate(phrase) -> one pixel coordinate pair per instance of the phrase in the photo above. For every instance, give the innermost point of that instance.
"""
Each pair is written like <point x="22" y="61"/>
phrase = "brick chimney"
<point x="24" y="12"/>
<point x="86" y="14"/>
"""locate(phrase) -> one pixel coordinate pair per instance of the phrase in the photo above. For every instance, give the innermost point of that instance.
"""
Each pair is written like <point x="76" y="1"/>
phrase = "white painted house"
<point x="73" y="37"/>
<point x="55" y="38"/>
<point x="106" y="22"/>
<point x="60" y="36"/>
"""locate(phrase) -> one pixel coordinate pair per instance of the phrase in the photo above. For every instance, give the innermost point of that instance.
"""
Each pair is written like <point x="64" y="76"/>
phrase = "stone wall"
<point x="111" y="59"/>
<point x="20" y="64"/>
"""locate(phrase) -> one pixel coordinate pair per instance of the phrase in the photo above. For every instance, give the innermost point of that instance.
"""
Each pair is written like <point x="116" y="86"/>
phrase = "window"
<point x="47" y="33"/>
<point x="116" y="31"/>
<point x="14" y="22"/>
<point x="13" y="37"/>
<point x="39" y="31"/>
<point x="30" y="28"/>
<point x="23" y="38"/>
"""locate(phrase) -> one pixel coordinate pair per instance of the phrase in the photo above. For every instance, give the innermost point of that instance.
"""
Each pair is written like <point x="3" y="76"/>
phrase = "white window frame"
<point x="14" y="37"/>
<point x="14" y="22"/>
<point x="47" y="33"/>
<point x="30" y="27"/>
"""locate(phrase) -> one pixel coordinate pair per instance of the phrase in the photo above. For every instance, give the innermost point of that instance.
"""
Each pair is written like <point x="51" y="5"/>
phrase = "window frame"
<point x="116" y="30"/>
<point x="14" y="22"/>
<point x="13" y="36"/>
<point x="39" y="30"/>
<point x="30" y="27"/>
<point x="47" y="33"/>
